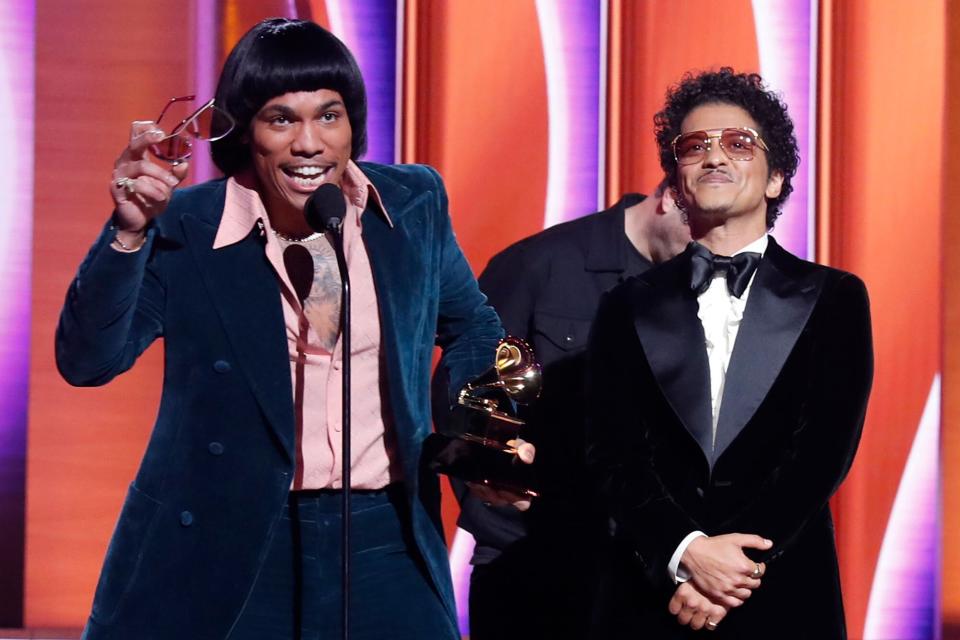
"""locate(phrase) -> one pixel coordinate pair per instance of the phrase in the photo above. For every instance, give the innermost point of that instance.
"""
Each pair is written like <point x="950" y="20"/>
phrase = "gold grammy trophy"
<point x="479" y="445"/>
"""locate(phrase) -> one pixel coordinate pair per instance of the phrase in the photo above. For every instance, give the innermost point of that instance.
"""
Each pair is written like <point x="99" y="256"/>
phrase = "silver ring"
<point x="127" y="184"/>
<point x="757" y="574"/>
<point x="711" y="625"/>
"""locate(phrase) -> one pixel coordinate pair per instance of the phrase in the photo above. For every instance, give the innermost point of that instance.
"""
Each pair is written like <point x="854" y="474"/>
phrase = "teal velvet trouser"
<point x="297" y="595"/>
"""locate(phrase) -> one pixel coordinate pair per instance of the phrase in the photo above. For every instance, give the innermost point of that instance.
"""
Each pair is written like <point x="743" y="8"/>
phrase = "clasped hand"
<point x="722" y="577"/>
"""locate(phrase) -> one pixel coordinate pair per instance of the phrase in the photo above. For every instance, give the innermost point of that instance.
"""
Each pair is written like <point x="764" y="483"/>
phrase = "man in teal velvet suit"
<point x="212" y="541"/>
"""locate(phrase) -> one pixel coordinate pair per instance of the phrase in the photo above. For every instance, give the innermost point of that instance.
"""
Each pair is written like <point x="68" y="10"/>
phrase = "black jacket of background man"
<point x="792" y="411"/>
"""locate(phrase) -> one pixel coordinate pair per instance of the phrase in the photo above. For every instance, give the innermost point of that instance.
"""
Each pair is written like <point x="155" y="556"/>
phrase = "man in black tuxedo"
<point x="726" y="394"/>
<point x="534" y="571"/>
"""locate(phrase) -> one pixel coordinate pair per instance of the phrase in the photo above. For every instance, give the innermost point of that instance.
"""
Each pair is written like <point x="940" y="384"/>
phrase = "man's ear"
<point x="774" y="184"/>
<point x="668" y="201"/>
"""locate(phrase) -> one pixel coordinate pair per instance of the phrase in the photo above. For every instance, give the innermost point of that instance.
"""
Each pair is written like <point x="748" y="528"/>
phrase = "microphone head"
<point x="325" y="208"/>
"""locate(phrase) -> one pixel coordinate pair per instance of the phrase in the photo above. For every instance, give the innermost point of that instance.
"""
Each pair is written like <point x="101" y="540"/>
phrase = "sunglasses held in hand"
<point x="209" y="123"/>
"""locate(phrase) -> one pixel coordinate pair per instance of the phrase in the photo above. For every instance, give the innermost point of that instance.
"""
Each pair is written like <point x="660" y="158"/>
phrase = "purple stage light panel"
<point x="17" y="34"/>
<point x="573" y="38"/>
<point x="904" y="598"/>
<point x="205" y="73"/>
<point x="460" y="553"/>
<point x="573" y="50"/>
<point x="787" y="42"/>
<point x="369" y="28"/>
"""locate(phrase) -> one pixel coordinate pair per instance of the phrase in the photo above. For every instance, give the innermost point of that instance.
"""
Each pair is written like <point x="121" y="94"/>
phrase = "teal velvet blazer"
<point x="199" y="516"/>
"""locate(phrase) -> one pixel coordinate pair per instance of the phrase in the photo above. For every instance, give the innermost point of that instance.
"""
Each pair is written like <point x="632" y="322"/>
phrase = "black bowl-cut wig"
<point x="280" y="56"/>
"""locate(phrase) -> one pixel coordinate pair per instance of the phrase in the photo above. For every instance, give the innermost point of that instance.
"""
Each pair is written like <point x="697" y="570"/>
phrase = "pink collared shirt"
<point x="315" y="370"/>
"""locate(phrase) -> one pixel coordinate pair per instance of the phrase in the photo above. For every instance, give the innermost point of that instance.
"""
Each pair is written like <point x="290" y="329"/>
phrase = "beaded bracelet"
<point x="119" y="242"/>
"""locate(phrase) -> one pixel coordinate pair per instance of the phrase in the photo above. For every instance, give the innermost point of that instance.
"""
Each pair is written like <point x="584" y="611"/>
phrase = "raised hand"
<point x="140" y="188"/>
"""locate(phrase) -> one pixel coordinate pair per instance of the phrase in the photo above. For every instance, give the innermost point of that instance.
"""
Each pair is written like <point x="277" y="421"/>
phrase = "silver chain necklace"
<point x="309" y="238"/>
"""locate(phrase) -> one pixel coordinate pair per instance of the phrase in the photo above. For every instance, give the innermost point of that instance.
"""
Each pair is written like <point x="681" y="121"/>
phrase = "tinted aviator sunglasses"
<point x="208" y="123"/>
<point x="737" y="143"/>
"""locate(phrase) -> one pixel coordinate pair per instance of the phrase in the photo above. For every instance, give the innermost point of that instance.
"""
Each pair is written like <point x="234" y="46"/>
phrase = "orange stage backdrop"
<point x="883" y="224"/>
<point x="950" y="452"/>
<point x="474" y="103"/>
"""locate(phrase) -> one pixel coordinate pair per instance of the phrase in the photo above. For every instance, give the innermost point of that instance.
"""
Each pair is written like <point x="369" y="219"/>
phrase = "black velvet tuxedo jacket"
<point x="790" y="420"/>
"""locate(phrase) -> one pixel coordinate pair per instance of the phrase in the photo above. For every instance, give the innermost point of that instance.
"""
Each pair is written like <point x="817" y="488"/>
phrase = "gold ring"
<point x="711" y="625"/>
<point x="127" y="184"/>
<point x="757" y="574"/>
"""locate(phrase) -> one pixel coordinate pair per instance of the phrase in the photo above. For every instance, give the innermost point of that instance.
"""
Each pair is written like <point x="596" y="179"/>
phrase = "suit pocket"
<point x="124" y="555"/>
<point x="564" y="333"/>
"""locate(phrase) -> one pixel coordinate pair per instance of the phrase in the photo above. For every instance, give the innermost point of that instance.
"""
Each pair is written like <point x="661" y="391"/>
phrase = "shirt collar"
<point x="359" y="189"/>
<point x="757" y="246"/>
<point x="243" y="208"/>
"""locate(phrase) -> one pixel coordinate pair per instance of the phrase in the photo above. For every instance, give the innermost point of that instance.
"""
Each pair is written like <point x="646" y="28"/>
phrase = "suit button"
<point x="215" y="448"/>
<point x="186" y="518"/>
<point x="700" y="491"/>
<point x="221" y="366"/>
<point x="568" y="339"/>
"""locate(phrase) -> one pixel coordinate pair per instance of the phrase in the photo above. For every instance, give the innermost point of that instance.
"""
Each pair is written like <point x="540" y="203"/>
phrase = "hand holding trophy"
<point x="481" y="445"/>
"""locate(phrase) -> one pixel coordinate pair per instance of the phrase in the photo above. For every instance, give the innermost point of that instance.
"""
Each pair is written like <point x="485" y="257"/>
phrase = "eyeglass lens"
<point x="736" y="143"/>
<point x="173" y="148"/>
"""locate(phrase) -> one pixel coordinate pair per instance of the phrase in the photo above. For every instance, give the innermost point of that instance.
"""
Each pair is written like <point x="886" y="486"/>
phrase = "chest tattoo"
<point x="322" y="303"/>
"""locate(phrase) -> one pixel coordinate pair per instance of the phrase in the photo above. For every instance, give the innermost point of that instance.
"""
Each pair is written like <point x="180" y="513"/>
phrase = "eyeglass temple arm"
<point x="171" y="101"/>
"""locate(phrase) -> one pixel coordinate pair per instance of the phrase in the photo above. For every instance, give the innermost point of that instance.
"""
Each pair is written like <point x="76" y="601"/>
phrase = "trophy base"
<point x="481" y="460"/>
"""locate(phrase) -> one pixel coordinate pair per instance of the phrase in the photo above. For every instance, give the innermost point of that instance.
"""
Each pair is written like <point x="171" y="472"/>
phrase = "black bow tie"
<point x="738" y="269"/>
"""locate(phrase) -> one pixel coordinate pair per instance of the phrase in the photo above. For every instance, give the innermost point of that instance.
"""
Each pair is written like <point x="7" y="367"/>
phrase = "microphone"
<point x="324" y="211"/>
<point x="325" y="208"/>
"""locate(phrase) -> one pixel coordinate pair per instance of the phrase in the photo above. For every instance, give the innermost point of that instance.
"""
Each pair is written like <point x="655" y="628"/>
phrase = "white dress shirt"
<point x="720" y="313"/>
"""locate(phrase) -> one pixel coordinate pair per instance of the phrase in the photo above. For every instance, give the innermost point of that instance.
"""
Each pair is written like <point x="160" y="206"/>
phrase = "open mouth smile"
<point x="307" y="176"/>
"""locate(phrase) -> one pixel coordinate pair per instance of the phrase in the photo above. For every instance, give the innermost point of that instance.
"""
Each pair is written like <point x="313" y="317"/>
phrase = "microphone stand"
<point x="335" y="229"/>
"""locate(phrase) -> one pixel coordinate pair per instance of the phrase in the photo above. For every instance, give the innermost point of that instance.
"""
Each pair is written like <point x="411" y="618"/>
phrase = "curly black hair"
<point x="744" y="90"/>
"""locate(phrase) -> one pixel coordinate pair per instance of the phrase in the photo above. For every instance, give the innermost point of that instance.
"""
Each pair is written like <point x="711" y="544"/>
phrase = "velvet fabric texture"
<point x="792" y="413"/>
<point x="200" y="514"/>
<point x="297" y="595"/>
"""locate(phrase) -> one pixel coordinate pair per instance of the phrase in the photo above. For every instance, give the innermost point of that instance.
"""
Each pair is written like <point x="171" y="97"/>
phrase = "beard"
<point x="710" y="206"/>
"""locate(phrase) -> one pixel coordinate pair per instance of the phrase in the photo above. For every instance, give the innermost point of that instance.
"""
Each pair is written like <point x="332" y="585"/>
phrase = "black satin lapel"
<point x="673" y="341"/>
<point x="777" y="311"/>
<point x="246" y="294"/>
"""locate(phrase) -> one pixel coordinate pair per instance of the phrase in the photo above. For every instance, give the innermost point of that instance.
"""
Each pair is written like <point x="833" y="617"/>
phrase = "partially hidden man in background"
<point x="231" y="528"/>
<point x="726" y="394"/>
<point x="534" y="572"/>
